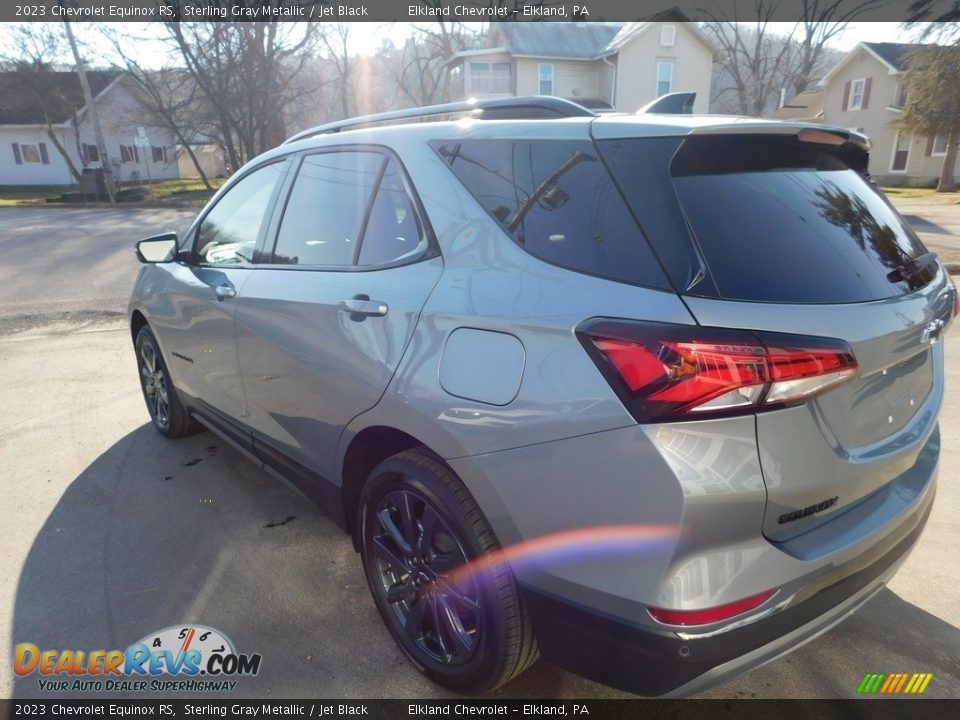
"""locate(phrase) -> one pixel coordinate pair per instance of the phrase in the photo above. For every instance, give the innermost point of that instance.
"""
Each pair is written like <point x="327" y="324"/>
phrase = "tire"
<point x="170" y="418"/>
<point x="469" y="632"/>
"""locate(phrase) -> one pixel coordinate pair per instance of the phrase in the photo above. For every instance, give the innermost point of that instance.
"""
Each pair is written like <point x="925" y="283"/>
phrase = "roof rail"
<point x="678" y="103"/>
<point x="510" y="108"/>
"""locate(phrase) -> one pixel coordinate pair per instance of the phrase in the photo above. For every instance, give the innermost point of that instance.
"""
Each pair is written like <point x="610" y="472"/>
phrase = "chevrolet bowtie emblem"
<point x="931" y="333"/>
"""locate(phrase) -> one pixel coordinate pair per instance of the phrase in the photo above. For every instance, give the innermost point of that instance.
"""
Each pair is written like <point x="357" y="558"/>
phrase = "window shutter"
<point x="16" y="153"/>
<point x="44" y="158"/>
<point x="136" y="154"/>
<point x="929" y="151"/>
<point x="846" y="95"/>
<point x="866" y="93"/>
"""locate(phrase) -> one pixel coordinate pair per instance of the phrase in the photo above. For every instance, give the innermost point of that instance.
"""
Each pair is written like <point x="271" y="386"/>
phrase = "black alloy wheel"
<point x="169" y="416"/>
<point x="415" y="552"/>
<point x="426" y="549"/>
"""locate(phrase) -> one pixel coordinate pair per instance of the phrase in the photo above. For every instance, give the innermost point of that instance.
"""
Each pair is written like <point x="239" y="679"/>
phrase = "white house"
<point x="28" y="142"/>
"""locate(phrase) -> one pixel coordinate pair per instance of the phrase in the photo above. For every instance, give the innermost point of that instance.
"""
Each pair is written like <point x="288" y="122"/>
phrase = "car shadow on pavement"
<point x="921" y="224"/>
<point x="158" y="533"/>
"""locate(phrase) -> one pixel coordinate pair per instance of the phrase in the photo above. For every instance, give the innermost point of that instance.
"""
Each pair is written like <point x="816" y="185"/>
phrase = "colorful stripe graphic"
<point x="905" y="683"/>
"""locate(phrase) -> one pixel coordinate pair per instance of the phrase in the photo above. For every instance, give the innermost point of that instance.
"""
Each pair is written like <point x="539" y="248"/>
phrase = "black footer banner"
<point x="914" y="709"/>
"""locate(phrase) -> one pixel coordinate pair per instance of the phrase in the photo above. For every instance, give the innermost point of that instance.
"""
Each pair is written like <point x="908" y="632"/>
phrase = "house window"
<point x="939" y="145"/>
<point x="91" y="153"/>
<point x="545" y="74"/>
<point x="901" y="153"/>
<point x="30" y="152"/>
<point x="900" y="96"/>
<point x="129" y="154"/>
<point x="664" y="77"/>
<point x="501" y="77"/>
<point x="668" y="35"/>
<point x="159" y="154"/>
<point x="489" y="77"/>
<point x="856" y="94"/>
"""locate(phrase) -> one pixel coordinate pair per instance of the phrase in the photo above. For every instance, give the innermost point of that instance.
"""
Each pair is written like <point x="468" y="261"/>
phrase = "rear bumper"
<point x="657" y="662"/>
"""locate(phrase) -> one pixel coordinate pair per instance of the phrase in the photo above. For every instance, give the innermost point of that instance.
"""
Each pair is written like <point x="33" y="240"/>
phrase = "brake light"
<point x="675" y="371"/>
<point x="710" y="615"/>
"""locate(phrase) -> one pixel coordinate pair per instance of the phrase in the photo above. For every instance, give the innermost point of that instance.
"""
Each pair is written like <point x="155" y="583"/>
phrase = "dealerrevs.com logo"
<point x="188" y="658"/>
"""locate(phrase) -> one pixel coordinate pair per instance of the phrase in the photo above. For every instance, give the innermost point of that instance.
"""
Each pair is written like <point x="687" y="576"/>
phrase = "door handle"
<point x="224" y="292"/>
<point x="361" y="306"/>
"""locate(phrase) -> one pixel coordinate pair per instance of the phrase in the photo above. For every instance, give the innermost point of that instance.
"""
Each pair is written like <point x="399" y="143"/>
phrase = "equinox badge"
<point x="811" y="510"/>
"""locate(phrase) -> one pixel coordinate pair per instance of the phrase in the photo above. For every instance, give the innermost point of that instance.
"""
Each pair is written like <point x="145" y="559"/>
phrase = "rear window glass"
<point x="779" y="220"/>
<point x="557" y="201"/>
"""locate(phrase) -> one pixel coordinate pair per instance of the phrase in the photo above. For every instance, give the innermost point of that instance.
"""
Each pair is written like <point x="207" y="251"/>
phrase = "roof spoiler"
<point x="678" y="103"/>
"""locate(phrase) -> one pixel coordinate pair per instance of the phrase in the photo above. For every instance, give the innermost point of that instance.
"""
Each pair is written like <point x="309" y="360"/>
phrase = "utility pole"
<point x="94" y="116"/>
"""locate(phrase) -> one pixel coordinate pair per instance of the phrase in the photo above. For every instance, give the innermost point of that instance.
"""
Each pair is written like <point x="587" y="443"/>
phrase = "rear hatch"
<point x="780" y="232"/>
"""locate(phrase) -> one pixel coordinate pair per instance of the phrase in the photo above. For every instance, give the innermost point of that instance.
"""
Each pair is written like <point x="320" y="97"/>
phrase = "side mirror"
<point x="157" y="249"/>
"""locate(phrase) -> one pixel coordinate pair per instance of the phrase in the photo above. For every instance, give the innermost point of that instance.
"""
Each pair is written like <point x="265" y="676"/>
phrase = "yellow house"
<point x="620" y="66"/>
<point x="864" y="92"/>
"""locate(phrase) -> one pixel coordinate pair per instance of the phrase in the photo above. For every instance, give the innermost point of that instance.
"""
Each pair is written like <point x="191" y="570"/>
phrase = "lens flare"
<point x="583" y="543"/>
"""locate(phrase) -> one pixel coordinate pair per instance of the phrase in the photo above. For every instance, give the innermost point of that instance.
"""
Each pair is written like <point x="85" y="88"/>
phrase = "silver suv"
<point x="653" y="396"/>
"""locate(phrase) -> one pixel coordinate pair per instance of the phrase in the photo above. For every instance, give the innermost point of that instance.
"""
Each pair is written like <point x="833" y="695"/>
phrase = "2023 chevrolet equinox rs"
<point x="653" y="396"/>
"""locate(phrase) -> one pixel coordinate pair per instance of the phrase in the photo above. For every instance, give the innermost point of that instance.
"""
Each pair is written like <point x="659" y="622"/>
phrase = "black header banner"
<point x="458" y="10"/>
<point x="397" y="709"/>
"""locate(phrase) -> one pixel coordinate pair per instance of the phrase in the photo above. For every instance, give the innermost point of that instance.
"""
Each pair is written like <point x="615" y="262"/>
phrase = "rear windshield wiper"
<point x="911" y="266"/>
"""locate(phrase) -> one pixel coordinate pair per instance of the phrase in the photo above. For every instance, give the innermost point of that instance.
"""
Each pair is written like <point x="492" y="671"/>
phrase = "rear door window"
<point x="327" y="207"/>
<point x="557" y="201"/>
<point x="393" y="231"/>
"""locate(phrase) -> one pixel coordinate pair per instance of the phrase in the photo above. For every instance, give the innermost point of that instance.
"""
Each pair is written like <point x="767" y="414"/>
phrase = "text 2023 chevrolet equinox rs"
<point x="652" y="396"/>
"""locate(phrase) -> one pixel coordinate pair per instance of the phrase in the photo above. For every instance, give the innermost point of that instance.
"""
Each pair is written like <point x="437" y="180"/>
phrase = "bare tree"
<point x="31" y="55"/>
<point x="944" y="17"/>
<point x="339" y="54"/>
<point x="172" y="99"/>
<point x="760" y="63"/>
<point x="420" y="70"/>
<point x="757" y="60"/>
<point x="820" y="22"/>
<point x="245" y="71"/>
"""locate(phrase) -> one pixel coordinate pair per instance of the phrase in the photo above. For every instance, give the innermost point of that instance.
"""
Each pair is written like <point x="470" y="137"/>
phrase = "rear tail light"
<point x="678" y="371"/>
<point x="710" y="615"/>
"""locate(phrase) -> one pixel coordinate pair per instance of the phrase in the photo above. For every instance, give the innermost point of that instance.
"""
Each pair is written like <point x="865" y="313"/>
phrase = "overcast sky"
<point x="366" y="37"/>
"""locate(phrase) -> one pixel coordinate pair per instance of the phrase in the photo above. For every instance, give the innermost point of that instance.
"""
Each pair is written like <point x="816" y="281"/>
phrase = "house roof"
<point x="893" y="56"/>
<point x="22" y="96"/>
<point x="560" y="40"/>
<point x="807" y="105"/>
